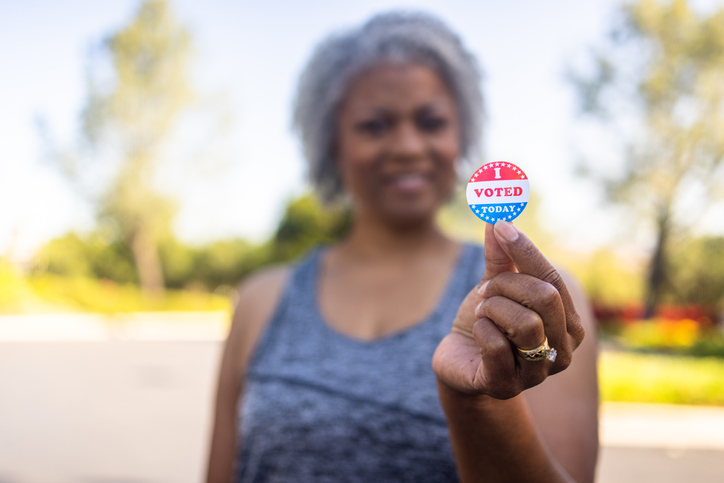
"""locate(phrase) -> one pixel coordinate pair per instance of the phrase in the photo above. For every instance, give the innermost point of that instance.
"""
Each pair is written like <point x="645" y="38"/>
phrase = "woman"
<point x="398" y="354"/>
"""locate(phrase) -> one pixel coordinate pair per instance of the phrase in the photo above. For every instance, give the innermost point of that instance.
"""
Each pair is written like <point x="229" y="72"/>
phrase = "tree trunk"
<point x="658" y="268"/>
<point x="148" y="264"/>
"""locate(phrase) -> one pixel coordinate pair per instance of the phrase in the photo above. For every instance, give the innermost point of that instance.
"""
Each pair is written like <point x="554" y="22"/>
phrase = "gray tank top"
<point x="319" y="406"/>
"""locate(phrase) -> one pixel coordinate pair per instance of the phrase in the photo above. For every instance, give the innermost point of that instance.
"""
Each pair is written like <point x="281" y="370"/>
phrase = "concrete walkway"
<point x="662" y="426"/>
<point x="136" y="326"/>
<point x="85" y="400"/>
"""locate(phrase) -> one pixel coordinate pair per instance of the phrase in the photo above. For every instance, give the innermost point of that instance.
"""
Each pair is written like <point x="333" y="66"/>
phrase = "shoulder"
<point x="258" y="296"/>
<point x="262" y="288"/>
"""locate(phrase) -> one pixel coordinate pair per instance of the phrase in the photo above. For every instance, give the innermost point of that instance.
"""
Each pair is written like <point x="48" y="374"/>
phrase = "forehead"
<point x="397" y="86"/>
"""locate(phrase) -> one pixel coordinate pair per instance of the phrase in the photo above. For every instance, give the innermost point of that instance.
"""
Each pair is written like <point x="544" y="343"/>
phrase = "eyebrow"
<point x="433" y="106"/>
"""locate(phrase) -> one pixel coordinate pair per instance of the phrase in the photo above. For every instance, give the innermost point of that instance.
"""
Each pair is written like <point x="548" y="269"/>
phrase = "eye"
<point x="432" y="124"/>
<point x="372" y="127"/>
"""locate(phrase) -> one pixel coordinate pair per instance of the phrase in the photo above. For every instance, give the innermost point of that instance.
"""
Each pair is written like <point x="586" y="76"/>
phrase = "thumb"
<point x="496" y="260"/>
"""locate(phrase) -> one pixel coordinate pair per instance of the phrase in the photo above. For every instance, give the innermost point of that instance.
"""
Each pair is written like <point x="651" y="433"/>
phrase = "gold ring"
<point x="543" y="351"/>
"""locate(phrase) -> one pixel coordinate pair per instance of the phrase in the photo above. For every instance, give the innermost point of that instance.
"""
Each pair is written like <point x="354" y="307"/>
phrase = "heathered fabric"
<point x="322" y="407"/>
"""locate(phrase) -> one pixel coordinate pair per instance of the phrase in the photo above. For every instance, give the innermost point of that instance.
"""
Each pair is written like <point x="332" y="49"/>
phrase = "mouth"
<point x="408" y="182"/>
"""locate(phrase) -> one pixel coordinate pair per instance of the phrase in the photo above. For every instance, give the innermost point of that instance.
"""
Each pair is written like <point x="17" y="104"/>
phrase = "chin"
<point x="410" y="213"/>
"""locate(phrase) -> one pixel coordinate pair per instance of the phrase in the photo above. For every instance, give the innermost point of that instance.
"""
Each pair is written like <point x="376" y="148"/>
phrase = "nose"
<point x="409" y="142"/>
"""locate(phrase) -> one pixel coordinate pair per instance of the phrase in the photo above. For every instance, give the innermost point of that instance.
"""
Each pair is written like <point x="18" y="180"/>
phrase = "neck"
<point x="371" y="237"/>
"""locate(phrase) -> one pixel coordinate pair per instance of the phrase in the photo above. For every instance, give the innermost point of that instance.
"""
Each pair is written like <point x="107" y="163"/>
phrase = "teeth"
<point x="408" y="177"/>
<point x="409" y="181"/>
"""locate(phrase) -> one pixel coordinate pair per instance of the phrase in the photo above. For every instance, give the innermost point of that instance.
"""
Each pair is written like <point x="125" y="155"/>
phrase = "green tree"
<point x="128" y="118"/>
<point x="661" y="78"/>
<point x="699" y="273"/>
<point x="93" y="256"/>
<point x="306" y="223"/>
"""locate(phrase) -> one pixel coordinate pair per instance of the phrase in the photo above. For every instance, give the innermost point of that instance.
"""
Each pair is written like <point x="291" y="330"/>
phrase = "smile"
<point x="408" y="181"/>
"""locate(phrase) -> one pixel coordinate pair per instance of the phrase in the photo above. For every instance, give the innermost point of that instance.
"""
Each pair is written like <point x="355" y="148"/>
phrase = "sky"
<point x="248" y="56"/>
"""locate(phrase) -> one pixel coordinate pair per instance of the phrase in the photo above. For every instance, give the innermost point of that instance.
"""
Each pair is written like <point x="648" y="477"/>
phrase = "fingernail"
<point x="477" y="309"/>
<point x="482" y="288"/>
<point x="506" y="230"/>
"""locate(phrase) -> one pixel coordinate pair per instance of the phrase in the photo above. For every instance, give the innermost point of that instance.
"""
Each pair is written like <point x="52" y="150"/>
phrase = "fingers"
<point x="496" y="371"/>
<point x="523" y="301"/>
<point x="500" y="373"/>
<point x="526" y="290"/>
<point x="529" y="260"/>
<point x="529" y="294"/>
<point x="522" y="326"/>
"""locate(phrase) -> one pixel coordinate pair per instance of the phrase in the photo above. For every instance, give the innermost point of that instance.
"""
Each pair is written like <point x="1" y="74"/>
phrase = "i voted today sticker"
<point x="498" y="191"/>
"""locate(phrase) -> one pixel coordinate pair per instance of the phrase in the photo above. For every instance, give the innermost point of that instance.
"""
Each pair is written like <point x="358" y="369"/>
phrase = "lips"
<point x="408" y="182"/>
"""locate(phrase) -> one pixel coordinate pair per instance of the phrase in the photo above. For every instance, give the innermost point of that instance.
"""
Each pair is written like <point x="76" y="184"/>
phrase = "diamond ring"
<point x="543" y="351"/>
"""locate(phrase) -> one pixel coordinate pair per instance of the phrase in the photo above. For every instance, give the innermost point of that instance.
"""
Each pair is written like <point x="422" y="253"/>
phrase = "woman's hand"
<point x="520" y="301"/>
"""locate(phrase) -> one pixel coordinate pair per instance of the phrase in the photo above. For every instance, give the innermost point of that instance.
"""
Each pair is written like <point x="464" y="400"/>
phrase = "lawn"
<point x="658" y="378"/>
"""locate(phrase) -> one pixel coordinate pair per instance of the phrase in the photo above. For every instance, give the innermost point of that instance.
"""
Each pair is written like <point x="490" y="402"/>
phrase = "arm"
<point x="496" y="440"/>
<point x="257" y="300"/>
<point x="497" y="433"/>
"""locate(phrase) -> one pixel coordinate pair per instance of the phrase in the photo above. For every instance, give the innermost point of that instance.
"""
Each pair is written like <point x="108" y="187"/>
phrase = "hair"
<point x="414" y="37"/>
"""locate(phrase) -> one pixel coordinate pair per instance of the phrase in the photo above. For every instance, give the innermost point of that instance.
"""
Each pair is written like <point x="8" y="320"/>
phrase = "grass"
<point x="99" y="296"/>
<point x="54" y="294"/>
<point x="657" y="378"/>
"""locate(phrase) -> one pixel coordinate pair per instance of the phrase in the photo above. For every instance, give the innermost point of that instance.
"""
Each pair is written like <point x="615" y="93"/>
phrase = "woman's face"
<point x="399" y="139"/>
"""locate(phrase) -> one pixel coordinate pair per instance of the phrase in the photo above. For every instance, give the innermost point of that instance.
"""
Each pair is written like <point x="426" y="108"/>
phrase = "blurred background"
<point x="147" y="165"/>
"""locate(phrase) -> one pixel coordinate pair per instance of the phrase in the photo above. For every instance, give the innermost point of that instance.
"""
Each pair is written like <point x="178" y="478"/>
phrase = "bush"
<point x="690" y="337"/>
<point x="660" y="334"/>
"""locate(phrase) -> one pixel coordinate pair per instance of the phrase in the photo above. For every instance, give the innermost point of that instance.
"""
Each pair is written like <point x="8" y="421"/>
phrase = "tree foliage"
<point x="128" y="118"/>
<point x="699" y="273"/>
<point x="94" y="256"/>
<point x="306" y="224"/>
<point x="219" y="264"/>
<point x="662" y="78"/>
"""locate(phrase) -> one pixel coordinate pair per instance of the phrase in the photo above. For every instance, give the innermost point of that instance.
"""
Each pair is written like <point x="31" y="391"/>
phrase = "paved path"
<point x="105" y="412"/>
<point x="136" y="409"/>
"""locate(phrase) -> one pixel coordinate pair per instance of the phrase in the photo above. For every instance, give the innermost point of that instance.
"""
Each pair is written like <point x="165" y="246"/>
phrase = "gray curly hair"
<point x="388" y="37"/>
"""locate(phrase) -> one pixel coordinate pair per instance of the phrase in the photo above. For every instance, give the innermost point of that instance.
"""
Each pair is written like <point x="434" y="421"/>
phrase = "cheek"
<point x="447" y="150"/>
<point x="448" y="154"/>
<point x="354" y="160"/>
<point x="451" y="144"/>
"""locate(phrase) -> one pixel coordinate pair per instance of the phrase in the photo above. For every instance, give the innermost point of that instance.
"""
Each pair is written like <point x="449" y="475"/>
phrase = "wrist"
<point x="451" y="397"/>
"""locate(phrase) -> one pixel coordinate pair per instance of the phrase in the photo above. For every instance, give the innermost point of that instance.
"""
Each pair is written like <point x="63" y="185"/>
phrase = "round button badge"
<point x="498" y="191"/>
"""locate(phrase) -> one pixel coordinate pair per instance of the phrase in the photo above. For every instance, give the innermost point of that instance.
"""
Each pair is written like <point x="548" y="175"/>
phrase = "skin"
<point x="509" y="419"/>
